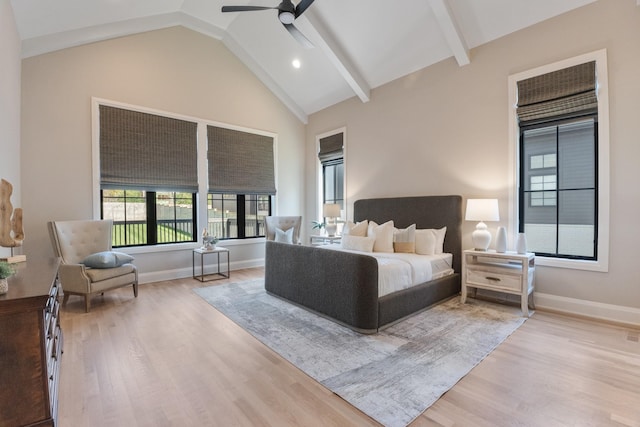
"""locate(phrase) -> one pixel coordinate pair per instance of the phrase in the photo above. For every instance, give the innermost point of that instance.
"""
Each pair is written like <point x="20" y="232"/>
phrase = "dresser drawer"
<point x="51" y="311"/>
<point x="53" y="367"/>
<point x="492" y="279"/>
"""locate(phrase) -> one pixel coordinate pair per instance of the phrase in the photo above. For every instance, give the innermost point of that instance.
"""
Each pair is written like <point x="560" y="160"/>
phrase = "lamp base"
<point x="481" y="237"/>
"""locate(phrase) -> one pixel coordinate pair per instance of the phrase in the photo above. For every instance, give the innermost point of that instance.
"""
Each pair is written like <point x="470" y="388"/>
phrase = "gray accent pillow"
<point x="107" y="259"/>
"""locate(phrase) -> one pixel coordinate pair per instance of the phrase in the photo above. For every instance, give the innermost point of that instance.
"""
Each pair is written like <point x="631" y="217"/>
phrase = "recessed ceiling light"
<point x="296" y="63"/>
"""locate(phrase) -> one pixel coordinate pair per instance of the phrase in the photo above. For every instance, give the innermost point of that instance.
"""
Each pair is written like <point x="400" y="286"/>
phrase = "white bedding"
<point x="397" y="271"/>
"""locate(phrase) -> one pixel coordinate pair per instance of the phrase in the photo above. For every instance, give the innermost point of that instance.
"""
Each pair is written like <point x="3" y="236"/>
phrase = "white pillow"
<point x="404" y="240"/>
<point x="359" y="229"/>
<point x="383" y="234"/>
<point x="440" y="233"/>
<point x="284" y="236"/>
<point x="425" y="242"/>
<point x="357" y="243"/>
<point x="430" y="241"/>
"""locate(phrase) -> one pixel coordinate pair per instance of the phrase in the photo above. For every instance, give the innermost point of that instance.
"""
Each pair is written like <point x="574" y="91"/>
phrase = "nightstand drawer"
<point x="494" y="280"/>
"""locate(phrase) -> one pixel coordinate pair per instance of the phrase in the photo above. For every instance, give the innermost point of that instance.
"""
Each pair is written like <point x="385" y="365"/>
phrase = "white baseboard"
<point x="594" y="310"/>
<point x="181" y="273"/>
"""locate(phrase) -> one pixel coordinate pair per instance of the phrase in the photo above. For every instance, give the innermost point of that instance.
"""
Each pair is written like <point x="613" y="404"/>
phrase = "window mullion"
<point x="152" y="218"/>
<point x="240" y="215"/>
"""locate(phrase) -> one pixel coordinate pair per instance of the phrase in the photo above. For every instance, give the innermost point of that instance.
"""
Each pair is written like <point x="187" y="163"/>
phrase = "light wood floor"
<point x="167" y="358"/>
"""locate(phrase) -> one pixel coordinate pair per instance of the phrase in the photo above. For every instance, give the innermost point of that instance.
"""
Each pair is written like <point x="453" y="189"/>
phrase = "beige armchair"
<point x="284" y="223"/>
<point x="73" y="242"/>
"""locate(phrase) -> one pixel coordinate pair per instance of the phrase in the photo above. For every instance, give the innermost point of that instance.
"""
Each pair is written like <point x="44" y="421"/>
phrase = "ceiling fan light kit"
<point x="286" y="17"/>
<point x="287" y="14"/>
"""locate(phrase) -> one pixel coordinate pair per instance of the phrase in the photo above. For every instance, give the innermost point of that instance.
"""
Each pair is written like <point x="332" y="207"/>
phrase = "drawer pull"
<point x="495" y="279"/>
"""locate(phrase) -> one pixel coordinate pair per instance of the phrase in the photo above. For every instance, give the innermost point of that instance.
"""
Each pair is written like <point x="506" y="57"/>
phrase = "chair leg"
<point x="65" y="299"/>
<point x="135" y="289"/>
<point x="87" y="303"/>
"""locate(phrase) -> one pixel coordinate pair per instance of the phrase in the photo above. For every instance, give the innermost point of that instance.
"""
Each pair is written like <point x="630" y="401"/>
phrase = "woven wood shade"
<point x="146" y="151"/>
<point x="564" y="92"/>
<point x="240" y="162"/>
<point x="331" y="147"/>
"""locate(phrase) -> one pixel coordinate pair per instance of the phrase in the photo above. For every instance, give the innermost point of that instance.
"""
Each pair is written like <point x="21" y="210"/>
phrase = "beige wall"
<point x="441" y="130"/>
<point x="9" y="105"/>
<point x="445" y="130"/>
<point x="174" y="70"/>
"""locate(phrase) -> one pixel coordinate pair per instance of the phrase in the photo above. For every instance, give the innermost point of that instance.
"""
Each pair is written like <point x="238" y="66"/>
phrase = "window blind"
<point x="240" y="162"/>
<point x="331" y="148"/>
<point x="146" y="151"/>
<point x="565" y="92"/>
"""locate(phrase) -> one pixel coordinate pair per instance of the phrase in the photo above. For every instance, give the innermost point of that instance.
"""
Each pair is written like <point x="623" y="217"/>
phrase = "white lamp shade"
<point x="482" y="210"/>
<point x="331" y="210"/>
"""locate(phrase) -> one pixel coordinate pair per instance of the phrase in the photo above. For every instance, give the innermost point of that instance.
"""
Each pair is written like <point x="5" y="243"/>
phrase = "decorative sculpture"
<point x="11" y="232"/>
<point x="208" y="242"/>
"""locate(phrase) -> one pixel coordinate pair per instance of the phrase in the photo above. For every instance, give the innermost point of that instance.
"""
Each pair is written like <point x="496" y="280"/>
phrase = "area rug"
<point x="392" y="376"/>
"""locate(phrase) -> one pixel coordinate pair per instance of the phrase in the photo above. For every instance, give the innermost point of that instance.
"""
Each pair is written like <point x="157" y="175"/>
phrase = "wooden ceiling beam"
<point x="451" y="31"/>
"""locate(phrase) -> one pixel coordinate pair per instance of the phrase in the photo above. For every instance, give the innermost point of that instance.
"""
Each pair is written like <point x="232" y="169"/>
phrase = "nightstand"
<point x="508" y="272"/>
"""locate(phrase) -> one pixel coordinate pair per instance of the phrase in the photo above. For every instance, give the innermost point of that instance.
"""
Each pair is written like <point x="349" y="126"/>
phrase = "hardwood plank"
<point x="167" y="358"/>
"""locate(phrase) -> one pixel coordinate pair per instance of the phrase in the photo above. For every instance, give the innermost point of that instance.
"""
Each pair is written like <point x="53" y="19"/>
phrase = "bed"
<point x="343" y="286"/>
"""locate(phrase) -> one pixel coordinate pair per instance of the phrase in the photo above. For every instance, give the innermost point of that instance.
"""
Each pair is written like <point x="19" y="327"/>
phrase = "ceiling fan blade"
<point x="305" y="42"/>
<point x="244" y="8"/>
<point x="302" y="6"/>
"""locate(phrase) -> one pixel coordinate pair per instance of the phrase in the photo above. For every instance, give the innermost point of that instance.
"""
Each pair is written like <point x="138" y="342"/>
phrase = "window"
<point x="145" y="167"/>
<point x="542" y="187"/>
<point x="148" y="176"/>
<point x="133" y="210"/>
<point x="559" y="216"/>
<point x="241" y="182"/>
<point x="560" y="124"/>
<point x="232" y="216"/>
<point x="542" y="161"/>
<point x="333" y="182"/>
<point x="331" y="157"/>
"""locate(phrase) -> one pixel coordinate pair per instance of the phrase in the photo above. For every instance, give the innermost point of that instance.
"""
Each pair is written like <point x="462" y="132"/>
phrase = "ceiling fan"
<point x="287" y="13"/>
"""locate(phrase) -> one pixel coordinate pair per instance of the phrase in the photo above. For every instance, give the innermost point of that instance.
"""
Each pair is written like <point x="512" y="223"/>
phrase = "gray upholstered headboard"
<point x="424" y="212"/>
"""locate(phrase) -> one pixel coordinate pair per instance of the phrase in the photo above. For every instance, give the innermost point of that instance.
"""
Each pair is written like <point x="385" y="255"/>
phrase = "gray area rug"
<point x="392" y="376"/>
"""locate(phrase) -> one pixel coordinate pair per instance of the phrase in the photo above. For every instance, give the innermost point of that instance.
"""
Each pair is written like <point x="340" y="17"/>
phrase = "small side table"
<point x="324" y="240"/>
<point x="507" y="272"/>
<point x="218" y="274"/>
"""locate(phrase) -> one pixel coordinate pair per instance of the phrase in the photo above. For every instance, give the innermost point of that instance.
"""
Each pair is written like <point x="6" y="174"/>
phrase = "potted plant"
<point x="6" y="270"/>
<point x="318" y="225"/>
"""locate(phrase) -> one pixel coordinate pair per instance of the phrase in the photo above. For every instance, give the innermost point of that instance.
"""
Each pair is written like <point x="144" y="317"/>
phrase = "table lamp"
<point x="331" y="211"/>
<point x="482" y="210"/>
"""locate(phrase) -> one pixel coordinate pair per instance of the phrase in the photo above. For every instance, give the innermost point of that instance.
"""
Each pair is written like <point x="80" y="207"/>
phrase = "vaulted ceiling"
<point x="358" y="44"/>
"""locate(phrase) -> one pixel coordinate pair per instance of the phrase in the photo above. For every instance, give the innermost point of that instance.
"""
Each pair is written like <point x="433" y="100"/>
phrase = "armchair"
<point x="73" y="242"/>
<point x="284" y="223"/>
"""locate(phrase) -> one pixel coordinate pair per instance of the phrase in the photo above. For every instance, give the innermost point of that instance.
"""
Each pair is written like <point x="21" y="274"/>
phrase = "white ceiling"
<point x="359" y="44"/>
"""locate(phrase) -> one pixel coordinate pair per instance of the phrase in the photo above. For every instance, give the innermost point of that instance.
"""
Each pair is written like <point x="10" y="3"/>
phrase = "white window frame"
<point x="602" y="87"/>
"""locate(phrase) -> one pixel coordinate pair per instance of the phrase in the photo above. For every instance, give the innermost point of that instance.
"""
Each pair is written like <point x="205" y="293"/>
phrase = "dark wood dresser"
<point x="30" y="346"/>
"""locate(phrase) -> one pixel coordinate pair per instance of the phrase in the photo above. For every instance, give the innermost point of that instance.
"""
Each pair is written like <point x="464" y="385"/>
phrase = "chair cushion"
<point x="107" y="259"/>
<point x="100" y="274"/>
